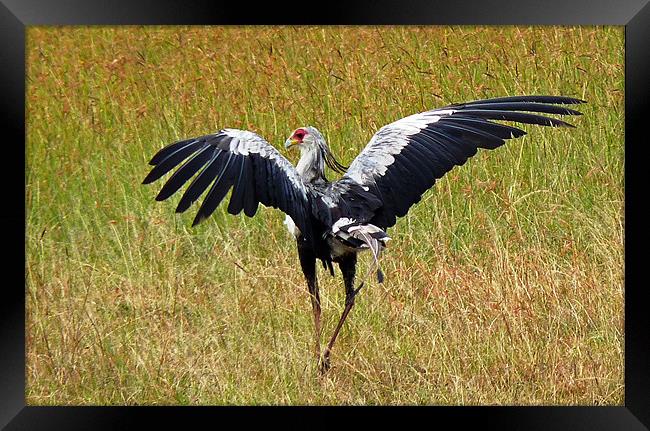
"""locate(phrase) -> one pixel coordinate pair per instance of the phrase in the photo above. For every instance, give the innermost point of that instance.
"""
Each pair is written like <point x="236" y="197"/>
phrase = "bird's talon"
<point x="324" y="365"/>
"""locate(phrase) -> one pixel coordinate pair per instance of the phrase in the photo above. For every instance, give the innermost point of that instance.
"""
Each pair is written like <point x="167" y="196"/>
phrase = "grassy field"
<point x="503" y="286"/>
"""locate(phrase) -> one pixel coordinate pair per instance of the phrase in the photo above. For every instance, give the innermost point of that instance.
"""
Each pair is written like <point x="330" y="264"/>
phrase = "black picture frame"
<point x="16" y="15"/>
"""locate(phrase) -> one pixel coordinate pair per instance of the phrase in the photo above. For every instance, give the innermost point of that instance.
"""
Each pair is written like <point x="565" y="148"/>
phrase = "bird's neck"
<point x="311" y="166"/>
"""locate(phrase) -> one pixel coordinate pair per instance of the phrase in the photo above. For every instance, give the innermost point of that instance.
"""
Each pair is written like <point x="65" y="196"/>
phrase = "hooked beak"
<point x="291" y="142"/>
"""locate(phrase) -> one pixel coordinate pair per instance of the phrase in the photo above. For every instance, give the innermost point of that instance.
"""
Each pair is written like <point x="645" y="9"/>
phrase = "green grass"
<point x="503" y="286"/>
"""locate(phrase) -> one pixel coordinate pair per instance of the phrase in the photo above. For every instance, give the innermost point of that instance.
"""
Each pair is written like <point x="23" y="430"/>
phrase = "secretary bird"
<point x="332" y="221"/>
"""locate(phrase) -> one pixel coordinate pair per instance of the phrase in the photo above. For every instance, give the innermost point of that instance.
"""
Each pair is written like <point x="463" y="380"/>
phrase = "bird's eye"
<point x="299" y="134"/>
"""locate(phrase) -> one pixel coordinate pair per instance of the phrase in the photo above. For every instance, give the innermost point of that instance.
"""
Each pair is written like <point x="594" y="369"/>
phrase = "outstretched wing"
<point x="240" y="159"/>
<point x="404" y="158"/>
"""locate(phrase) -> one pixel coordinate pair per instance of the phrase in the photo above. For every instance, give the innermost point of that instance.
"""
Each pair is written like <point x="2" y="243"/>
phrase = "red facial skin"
<point x="299" y="135"/>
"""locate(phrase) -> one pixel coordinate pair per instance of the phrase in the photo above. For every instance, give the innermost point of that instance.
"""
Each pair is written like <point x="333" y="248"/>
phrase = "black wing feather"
<point x="185" y="172"/>
<point x="404" y="158"/>
<point x="237" y="198"/>
<point x="169" y="149"/>
<point x="172" y="159"/>
<point x="218" y="190"/>
<point x="446" y="155"/>
<point x="440" y="160"/>
<point x="201" y="182"/>
<point x="529" y="99"/>
<point x="445" y="140"/>
<point x="250" y="200"/>
<point x="525" y="106"/>
<point x="478" y="138"/>
<point x="521" y="117"/>
<point x="502" y="131"/>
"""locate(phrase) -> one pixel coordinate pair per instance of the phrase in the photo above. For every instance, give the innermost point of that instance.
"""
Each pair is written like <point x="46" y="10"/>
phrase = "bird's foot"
<point x="324" y="363"/>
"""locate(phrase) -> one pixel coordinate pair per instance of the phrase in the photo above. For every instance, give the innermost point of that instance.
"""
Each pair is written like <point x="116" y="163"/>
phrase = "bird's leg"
<point x="349" y="302"/>
<point x="315" y="305"/>
<point x="308" y="264"/>
<point x="348" y="266"/>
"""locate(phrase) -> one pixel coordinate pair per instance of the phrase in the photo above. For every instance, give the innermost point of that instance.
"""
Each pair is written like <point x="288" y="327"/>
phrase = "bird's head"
<point x="304" y="138"/>
<point x="310" y="140"/>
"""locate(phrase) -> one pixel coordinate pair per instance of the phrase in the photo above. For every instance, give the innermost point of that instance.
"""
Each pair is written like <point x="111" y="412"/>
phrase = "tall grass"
<point x="504" y="285"/>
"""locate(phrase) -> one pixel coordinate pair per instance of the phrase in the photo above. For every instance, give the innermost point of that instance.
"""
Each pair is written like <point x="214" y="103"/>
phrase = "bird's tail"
<point x="363" y="236"/>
